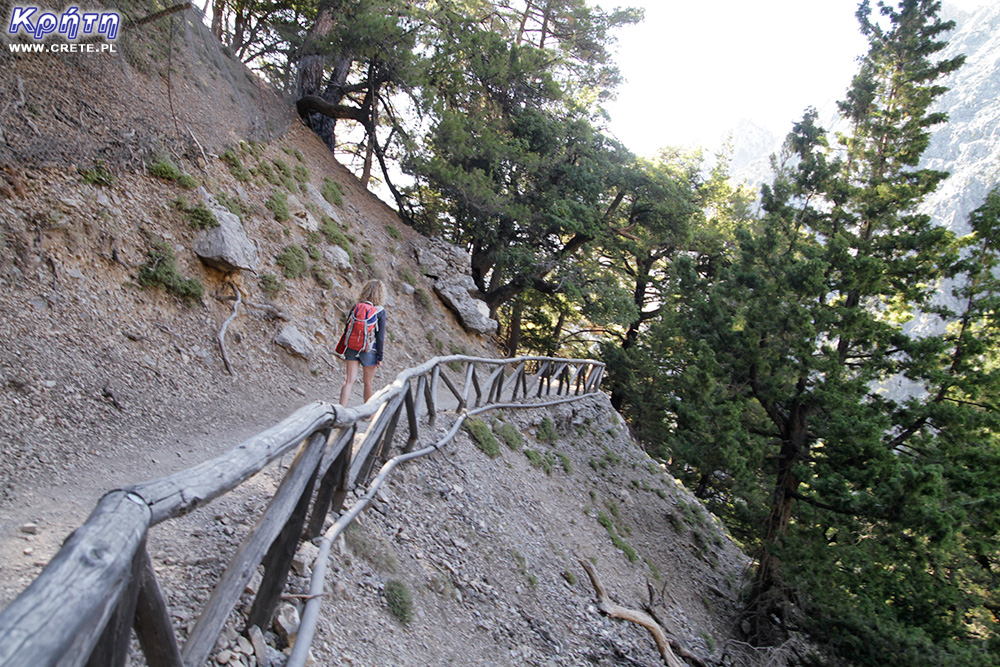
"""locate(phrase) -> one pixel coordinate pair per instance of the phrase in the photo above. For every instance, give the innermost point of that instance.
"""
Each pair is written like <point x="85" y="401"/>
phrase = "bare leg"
<point x="349" y="378"/>
<point x="368" y="379"/>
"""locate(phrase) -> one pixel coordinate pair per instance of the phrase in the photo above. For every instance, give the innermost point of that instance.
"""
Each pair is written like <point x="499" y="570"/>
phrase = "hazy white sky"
<point x="694" y="69"/>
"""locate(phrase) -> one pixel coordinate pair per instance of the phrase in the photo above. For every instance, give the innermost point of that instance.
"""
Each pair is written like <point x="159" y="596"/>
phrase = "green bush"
<point x="301" y="173"/>
<point x="399" y="599"/>
<point x="98" y="175"/>
<point x="278" y="204"/>
<point x="422" y="297"/>
<point x="331" y="230"/>
<point x="509" y="434"/>
<point x="292" y="261"/>
<point x="482" y="436"/>
<point x="264" y="169"/>
<point x="546" y="432"/>
<point x="543" y="460"/>
<point x="331" y="192"/>
<point x="271" y="285"/>
<point x="236" y="168"/>
<point x="619" y="543"/>
<point x="160" y="270"/>
<point x="393" y="232"/>
<point x="200" y="217"/>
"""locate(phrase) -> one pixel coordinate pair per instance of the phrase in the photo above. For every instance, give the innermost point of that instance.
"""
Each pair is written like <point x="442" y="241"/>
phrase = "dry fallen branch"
<point x="225" y="325"/>
<point x="613" y="610"/>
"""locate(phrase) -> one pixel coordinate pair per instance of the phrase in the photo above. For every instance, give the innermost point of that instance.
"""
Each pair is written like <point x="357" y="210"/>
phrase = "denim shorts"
<point x="366" y="358"/>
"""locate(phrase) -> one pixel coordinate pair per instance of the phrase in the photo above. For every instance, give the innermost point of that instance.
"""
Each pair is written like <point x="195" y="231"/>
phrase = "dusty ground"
<point x="103" y="384"/>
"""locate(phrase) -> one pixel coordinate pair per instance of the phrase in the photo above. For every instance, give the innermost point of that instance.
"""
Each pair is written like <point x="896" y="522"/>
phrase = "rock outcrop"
<point x="225" y="247"/>
<point x="449" y="265"/>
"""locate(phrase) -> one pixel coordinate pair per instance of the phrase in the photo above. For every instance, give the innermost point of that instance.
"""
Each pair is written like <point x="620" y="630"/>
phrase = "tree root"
<point x="225" y="325"/>
<point x="604" y="603"/>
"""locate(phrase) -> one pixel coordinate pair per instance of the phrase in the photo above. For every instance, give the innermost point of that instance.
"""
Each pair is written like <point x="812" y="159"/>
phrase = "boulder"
<point x="337" y="257"/>
<point x="457" y="293"/>
<point x="295" y="342"/>
<point x="225" y="247"/>
<point x="450" y="266"/>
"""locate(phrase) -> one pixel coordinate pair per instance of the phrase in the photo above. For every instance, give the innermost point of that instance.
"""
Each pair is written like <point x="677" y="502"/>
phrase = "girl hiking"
<point x="363" y="340"/>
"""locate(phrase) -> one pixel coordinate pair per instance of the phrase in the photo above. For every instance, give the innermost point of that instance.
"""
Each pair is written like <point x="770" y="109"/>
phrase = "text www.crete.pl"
<point x="63" y="47"/>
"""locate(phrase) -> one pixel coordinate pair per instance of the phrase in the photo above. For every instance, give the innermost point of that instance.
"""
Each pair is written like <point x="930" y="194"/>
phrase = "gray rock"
<point x="302" y="216"/>
<point x="292" y="340"/>
<point x="456" y="293"/>
<point x="337" y="257"/>
<point x="286" y="622"/>
<point x="225" y="247"/>
<point x="325" y="207"/>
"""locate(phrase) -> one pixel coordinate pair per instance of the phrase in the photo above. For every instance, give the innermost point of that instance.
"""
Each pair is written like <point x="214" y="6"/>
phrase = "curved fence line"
<point x="101" y="585"/>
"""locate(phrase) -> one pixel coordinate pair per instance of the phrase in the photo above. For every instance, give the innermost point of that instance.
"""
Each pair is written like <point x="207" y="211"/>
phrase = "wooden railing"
<point x="101" y="585"/>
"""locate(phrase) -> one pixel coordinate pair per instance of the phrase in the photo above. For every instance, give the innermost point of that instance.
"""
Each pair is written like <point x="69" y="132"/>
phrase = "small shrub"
<point x="160" y="270"/>
<point x="422" y="297"/>
<point x="509" y="434"/>
<point x="98" y="175"/>
<point x="301" y="173"/>
<point x="271" y="285"/>
<point x="331" y="230"/>
<point x="233" y="204"/>
<point x="569" y="577"/>
<point x="264" y="169"/>
<point x="368" y="257"/>
<point x="542" y="460"/>
<point x="165" y="169"/>
<point x="482" y="436"/>
<point x="393" y="232"/>
<point x="321" y="278"/>
<point x="292" y="261"/>
<point x="282" y="167"/>
<point x="399" y="599"/>
<point x="619" y="543"/>
<point x="200" y="217"/>
<point x="236" y="168"/>
<point x="407" y="276"/>
<point x="315" y="254"/>
<point x="546" y="432"/>
<point x="331" y="192"/>
<point x="278" y="204"/>
<point x="566" y="463"/>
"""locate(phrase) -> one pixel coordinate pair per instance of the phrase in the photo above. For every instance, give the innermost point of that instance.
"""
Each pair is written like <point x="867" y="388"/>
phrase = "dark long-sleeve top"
<point x="380" y="334"/>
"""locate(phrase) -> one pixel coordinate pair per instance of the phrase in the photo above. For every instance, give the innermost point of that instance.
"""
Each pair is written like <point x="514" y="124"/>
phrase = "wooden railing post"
<point x="113" y="646"/>
<point x="152" y="620"/>
<point x="278" y="560"/>
<point x="333" y="479"/>
<point x="411" y="418"/>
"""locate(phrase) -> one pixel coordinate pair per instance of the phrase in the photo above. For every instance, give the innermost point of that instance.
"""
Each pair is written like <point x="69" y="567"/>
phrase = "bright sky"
<point x="694" y="69"/>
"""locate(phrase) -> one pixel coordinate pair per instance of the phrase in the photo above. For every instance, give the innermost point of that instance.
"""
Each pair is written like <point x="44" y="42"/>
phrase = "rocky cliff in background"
<point x="967" y="146"/>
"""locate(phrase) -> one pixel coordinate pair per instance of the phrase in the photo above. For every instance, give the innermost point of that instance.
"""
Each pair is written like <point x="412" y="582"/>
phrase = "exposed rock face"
<point x="449" y="266"/>
<point x="337" y="257"/>
<point x="225" y="247"/>
<point x="295" y="342"/>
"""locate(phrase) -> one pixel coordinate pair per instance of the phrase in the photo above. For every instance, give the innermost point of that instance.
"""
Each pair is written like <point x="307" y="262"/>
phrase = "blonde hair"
<point x="374" y="292"/>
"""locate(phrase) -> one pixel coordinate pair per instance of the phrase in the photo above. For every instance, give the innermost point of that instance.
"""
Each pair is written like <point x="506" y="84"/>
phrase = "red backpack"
<point x="361" y="327"/>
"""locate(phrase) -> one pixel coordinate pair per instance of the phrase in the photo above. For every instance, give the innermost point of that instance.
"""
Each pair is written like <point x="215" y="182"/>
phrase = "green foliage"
<point x="616" y="539"/>
<point x="482" y="436"/>
<point x="407" y="275"/>
<point x="165" y="169"/>
<point x="278" y="203"/>
<point x="331" y="230"/>
<point x="422" y="297"/>
<point x="509" y="434"/>
<point x="331" y="192"/>
<point x="232" y="160"/>
<point x="393" y="232"/>
<point x="160" y="270"/>
<point x="301" y="173"/>
<point x="321" y="278"/>
<point x="542" y="460"/>
<point x="98" y="175"/>
<point x="566" y="463"/>
<point x="293" y="261"/>
<point x="271" y="285"/>
<point x="546" y="432"/>
<point x="399" y="599"/>
<point x="200" y="217"/>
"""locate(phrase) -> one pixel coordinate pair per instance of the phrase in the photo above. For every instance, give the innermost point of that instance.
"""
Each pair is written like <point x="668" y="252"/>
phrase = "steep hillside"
<point x="104" y="382"/>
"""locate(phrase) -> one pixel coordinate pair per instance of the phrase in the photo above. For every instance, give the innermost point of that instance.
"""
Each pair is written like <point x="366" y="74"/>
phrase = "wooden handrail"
<point x="101" y="582"/>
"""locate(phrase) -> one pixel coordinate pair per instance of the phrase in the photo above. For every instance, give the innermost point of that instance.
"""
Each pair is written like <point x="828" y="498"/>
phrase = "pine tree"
<point x="871" y="444"/>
